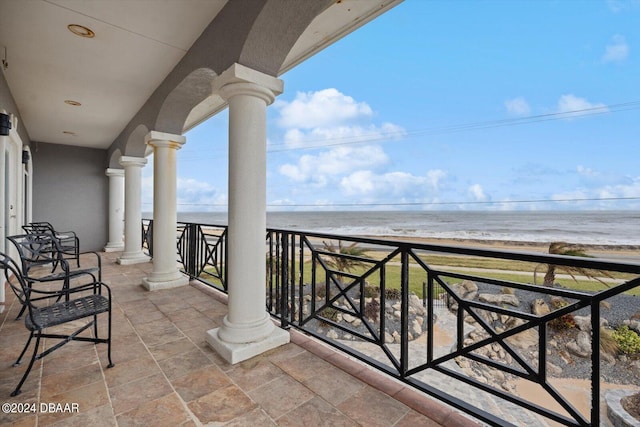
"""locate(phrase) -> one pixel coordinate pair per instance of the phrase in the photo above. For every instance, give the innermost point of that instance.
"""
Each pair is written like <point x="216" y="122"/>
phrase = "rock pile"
<point x="568" y="345"/>
<point x="417" y="320"/>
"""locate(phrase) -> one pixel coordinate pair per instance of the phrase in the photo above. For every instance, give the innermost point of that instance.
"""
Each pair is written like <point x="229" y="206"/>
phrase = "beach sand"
<point x="612" y="252"/>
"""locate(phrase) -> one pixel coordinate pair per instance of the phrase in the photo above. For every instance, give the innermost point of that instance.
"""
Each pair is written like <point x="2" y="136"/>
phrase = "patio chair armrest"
<point x="54" y="277"/>
<point x="99" y="260"/>
<point x="65" y="235"/>
<point x="95" y="286"/>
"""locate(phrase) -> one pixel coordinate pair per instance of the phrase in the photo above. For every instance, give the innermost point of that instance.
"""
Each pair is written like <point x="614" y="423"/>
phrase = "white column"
<point x="116" y="210"/>
<point x="247" y="329"/>
<point x="132" y="211"/>
<point x="165" y="272"/>
<point x="4" y="243"/>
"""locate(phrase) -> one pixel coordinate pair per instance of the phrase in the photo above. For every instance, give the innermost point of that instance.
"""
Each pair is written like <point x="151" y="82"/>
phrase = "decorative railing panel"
<point x="466" y="336"/>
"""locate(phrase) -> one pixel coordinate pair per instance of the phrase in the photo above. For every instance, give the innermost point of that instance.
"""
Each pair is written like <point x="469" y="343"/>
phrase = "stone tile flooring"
<point x="166" y="374"/>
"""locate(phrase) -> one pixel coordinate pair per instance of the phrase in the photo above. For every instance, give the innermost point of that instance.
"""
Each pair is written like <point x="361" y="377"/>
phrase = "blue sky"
<point x="450" y="105"/>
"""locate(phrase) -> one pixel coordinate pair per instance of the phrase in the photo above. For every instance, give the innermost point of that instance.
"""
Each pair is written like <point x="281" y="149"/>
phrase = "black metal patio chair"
<point x="89" y="300"/>
<point x="38" y="252"/>
<point x="67" y="240"/>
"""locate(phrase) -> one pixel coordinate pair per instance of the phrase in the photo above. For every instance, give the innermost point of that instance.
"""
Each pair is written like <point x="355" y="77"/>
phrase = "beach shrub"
<point x="628" y="340"/>
<point x="392" y="293"/>
<point x="371" y="291"/>
<point x="329" y="313"/>
<point x="608" y="343"/>
<point x="321" y="291"/>
<point x="564" y="322"/>
<point x="372" y="310"/>
<point x="557" y="302"/>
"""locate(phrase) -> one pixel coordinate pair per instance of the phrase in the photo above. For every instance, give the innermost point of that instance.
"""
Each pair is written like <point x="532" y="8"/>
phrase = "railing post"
<point x="429" y="317"/>
<point x="404" y="287"/>
<point x="225" y="257"/>
<point x="192" y="233"/>
<point x="595" y="362"/>
<point x="148" y="237"/>
<point x="284" y="282"/>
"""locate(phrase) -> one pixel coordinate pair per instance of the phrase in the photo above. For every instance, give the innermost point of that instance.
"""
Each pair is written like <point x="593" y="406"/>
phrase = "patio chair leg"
<point x="19" y="316"/>
<point x="111" y="364"/>
<point x="33" y="359"/>
<point x="24" y="350"/>
<point x="95" y="326"/>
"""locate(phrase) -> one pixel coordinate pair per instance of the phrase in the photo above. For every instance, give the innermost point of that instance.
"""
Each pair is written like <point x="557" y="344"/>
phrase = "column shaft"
<point x="247" y="329"/>
<point x="165" y="272"/>
<point x="132" y="211"/>
<point x="116" y="210"/>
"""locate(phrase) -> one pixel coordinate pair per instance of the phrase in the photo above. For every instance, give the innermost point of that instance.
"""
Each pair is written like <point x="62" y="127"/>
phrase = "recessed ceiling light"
<point x="72" y="102"/>
<point x="81" y="30"/>
<point x="68" y="132"/>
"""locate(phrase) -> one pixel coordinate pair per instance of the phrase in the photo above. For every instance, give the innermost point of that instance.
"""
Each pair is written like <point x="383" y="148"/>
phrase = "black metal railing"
<point x="147" y="236"/>
<point x="367" y="303"/>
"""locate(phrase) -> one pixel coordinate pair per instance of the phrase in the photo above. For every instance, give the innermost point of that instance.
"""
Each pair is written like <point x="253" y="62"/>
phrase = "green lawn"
<point x="514" y="271"/>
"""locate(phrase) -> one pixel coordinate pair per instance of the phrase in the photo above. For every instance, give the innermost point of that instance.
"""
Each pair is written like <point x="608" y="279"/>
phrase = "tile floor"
<point x="166" y="374"/>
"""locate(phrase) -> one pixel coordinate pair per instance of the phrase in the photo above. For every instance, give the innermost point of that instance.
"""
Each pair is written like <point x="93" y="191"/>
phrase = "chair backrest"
<point x="13" y="276"/>
<point x="42" y="223"/>
<point x="36" y="250"/>
<point x="38" y="228"/>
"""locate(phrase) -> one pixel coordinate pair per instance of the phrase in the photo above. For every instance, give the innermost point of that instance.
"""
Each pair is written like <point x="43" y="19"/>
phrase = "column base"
<point x="114" y="247"/>
<point x="235" y="353"/>
<point x="128" y="259"/>
<point x="152" y="284"/>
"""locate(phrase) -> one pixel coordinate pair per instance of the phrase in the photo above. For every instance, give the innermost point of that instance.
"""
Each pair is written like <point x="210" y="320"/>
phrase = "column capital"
<point x="163" y="139"/>
<point x="114" y="172"/>
<point x="241" y="80"/>
<point x="132" y="161"/>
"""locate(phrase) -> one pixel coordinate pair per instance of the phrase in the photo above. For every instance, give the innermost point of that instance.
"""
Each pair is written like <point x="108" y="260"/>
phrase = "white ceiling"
<point x="137" y="43"/>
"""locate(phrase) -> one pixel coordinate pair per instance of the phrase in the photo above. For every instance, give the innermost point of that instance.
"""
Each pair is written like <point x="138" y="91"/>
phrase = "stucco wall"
<point x="8" y="104"/>
<point x="71" y="191"/>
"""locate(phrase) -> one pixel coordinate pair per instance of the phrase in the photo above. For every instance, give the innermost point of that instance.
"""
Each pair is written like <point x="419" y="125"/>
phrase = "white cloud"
<point x="343" y="134"/>
<point x="192" y="195"/>
<point x="586" y="171"/>
<point x="349" y="162"/>
<point x="324" y="108"/>
<point x="398" y="186"/>
<point x="617" y="50"/>
<point x="574" y="106"/>
<point x="434" y="176"/>
<point x="337" y="161"/>
<point x="477" y="193"/>
<point x="617" y="6"/>
<point x="614" y="5"/>
<point x="198" y="196"/>
<point x="517" y="106"/>
<point x="328" y="117"/>
<point x="630" y="188"/>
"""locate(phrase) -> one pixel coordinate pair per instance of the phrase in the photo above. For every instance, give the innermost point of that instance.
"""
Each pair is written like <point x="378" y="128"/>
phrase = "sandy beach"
<point x="613" y="252"/>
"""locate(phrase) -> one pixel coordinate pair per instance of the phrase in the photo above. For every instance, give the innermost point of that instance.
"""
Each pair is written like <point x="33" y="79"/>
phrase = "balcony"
<point x="488" y="341"/>
<point x="166" y="374"/>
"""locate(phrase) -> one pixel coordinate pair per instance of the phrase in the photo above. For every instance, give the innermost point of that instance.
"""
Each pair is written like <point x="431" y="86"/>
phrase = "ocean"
<point x="582" y="227"/>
